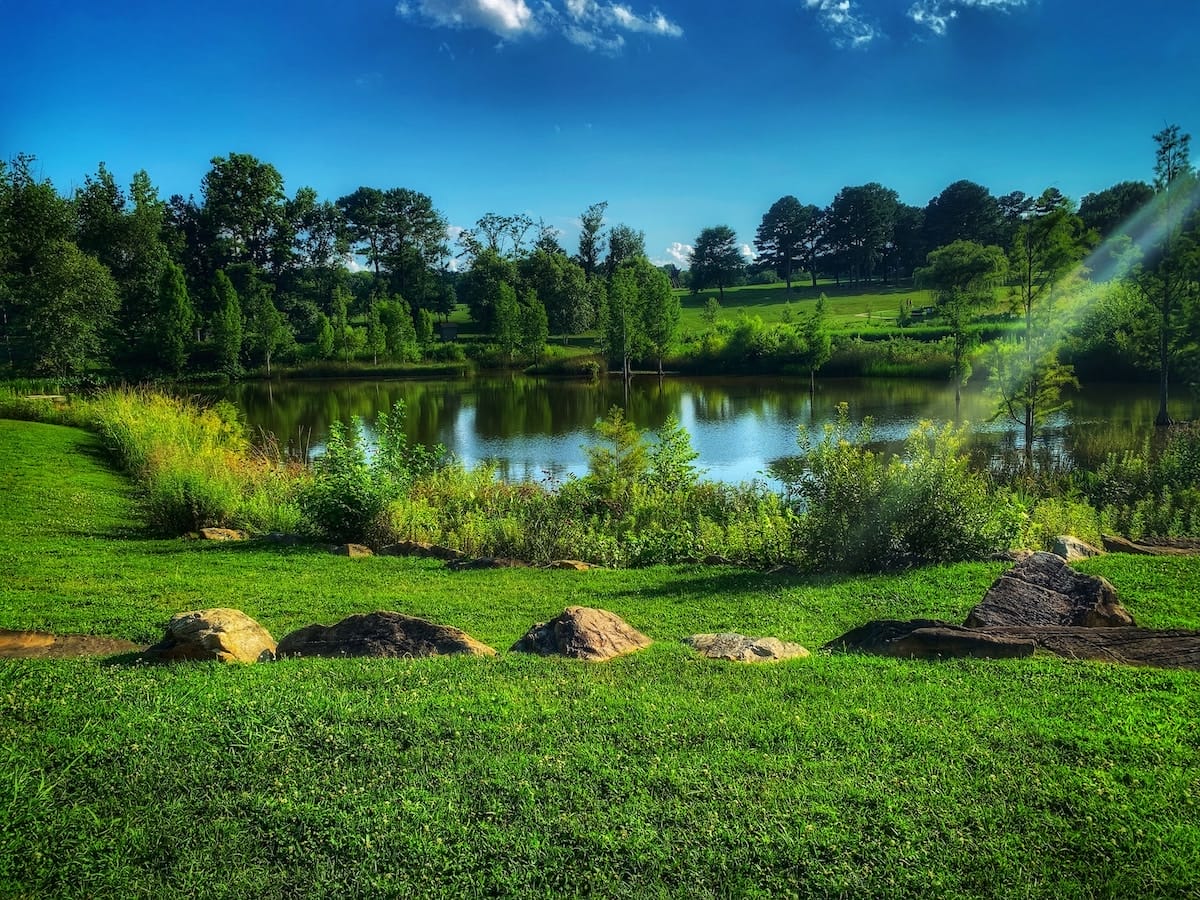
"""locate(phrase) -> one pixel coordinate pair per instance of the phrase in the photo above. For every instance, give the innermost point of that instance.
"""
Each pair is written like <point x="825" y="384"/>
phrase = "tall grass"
<point x="192" y="462"/>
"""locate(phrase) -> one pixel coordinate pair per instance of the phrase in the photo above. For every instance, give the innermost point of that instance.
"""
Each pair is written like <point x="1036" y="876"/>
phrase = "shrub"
<point x="856" y="512"/>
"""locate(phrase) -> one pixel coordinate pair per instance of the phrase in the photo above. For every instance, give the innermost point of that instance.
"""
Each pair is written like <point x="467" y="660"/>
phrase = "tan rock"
<point x="40" y="645"/>
<point x="739" y="648"/>
<point x="582" y="632"/>
<point x="354" y="551"/>
<point x="421" y="548"/>
<point x="226" y="635"/>
<point x="571" y="564"/>
<point x="222" y="534"/>
<point x="385" y="634"/>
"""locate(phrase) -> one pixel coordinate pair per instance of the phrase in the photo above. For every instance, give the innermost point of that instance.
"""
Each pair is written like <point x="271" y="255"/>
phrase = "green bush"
<point x="1151" y="494"/>
<point x="858" y="512"/>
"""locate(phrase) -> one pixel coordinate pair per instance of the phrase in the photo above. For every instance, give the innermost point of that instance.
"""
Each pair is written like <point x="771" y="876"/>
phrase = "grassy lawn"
<point x="659" y="774"/>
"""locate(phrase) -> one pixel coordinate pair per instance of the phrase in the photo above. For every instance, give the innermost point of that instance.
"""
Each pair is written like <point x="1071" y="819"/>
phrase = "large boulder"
<point x="582" y="632"/>
<point x="1044" y="590"/>
<point x="387" y="634"/>
<point x="929" y="639"/>
<point x="739" y="648"/>
<point x="225" y="635"/>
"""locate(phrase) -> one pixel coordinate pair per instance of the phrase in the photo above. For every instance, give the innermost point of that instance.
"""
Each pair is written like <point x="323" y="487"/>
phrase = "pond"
<point x="535" y="428"/>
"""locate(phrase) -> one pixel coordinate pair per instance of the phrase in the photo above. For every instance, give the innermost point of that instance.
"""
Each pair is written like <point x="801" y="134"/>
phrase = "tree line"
<point x="246" y="275"/>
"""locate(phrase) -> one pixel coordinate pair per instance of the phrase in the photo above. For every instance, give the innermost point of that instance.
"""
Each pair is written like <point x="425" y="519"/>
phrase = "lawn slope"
<point x="655" y="775"/>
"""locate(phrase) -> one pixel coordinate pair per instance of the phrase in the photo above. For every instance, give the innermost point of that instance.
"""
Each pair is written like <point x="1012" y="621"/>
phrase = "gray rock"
<point x="383" y="634"/>
<point x="928" y="639"/>
<point x="1044" y="590"/>
<point x="739" y="648"/>
<point x="1072" y="549"/>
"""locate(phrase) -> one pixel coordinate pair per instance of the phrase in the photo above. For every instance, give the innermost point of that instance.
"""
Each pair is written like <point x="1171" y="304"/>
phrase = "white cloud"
<point x="591" y="24"/>
<point x="506" y="18"/>
<point x="680" y="254"/>
<point x="936" y="14"/>
<point x="748" y="252"/>
<point x="841" y="18"/>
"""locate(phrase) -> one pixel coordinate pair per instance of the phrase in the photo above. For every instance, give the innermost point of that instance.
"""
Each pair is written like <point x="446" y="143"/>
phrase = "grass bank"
<point x="656" y="775"/>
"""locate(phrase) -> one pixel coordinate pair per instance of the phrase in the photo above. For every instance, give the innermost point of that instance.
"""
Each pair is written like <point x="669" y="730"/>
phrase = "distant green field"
<point x="658" y="775"/>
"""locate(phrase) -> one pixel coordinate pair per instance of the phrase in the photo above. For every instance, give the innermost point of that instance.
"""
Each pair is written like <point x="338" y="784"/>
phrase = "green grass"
<point x="656" y="775"/>
<point x="847" y="307"/>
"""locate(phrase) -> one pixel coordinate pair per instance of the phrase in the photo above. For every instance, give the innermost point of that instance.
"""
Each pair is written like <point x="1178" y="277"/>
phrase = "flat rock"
<point x="1072" y="549"/>
<point x="929" y="639"/>
<point x="355" y="551"/>
<point x="382" y="634"/>
<point x="1176" y="649"/>
<point x="575" y="565"/>
<point x="1156" y="547"/>
<point x="41" y="645"/>
<point x="420" y="548"/>
<point x="486" y="562"/>
<point x="1044" y="590"/>
<point x="222" y="534"/>
<point x="739" y="648"/>
<point x="281" y="537"/>
<point x="225" y="635"/>
<point x="582" y="632"/>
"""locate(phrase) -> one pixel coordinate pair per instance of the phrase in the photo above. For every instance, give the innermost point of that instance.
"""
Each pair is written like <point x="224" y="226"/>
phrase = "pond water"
<point x="534" y="428"/>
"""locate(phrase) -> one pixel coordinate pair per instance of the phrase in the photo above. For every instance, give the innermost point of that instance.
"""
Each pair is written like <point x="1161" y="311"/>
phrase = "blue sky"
<point x="681" y="115"/>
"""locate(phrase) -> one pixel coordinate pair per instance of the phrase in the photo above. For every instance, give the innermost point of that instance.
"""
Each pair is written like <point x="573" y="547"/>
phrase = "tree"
<point x="625" y="244"/>
<point x="324" y="342"/>
<point x="590" y="223"/>
<point x="782" y="234"/>
<point x="622" y="333"/>
<point x="174" y="320"/>
<point x="659" y="306"/>
<point x="620" y="458"/>
<point x="227" y="325"/>
<point x="962" y="276"/>
<point x="860" y="225"/>
<point x="1029" y="377"/>
<point x="399" y="332"/>
<point x="534" y="326"/>
<point x="266" y="332"/>
<point x="363" y="212"/>
<point x="1170" y="251"/>
<point x="964" y="211"/>
<point x="244" y="206"/>
<point x="479" y="287"/>
<point x="562" y="286"/>
<point x="818" y="345"/>
<point x="716" y="258"/>
<point x="413" y="239"/>
<point x="507" y="320"/>
<point x="1106" y="211"/>
<point x="74" y="297"/>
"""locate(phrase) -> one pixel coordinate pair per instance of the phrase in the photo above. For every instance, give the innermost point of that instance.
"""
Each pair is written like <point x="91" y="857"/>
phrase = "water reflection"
<point x="535" y="428"/>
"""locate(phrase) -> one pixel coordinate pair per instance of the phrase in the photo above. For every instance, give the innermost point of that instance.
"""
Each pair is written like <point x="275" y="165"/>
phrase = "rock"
<point x="739" y="648"/>
<point x="388" y="634"/>
<point x="222" y="534"/>
<point x="572" y="564"/>
<point x="1011" y="555"/>
<point x="1156" y="547"/>
<point x="1133" y="646"/>
<point x="583" y="633"/>
<point x="226" y="635"/>
<point x="486" y="562"/>
<point x="714" y="559"/>
<point x="354" y="551"/>
<point x="1044" y="590"/>
<point x="1073" y="549"/>
<point x="39" y="645"/>
<point x="928" y="639"/>
<point x="279" y="537"/>
<point x="421" y="548"/>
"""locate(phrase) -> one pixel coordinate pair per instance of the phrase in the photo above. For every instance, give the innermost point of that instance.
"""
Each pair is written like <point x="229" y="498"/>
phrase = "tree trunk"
<point x="1163" y="418"/>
